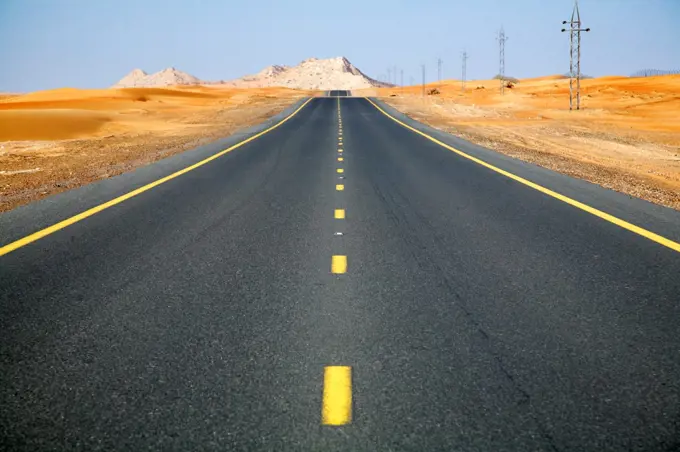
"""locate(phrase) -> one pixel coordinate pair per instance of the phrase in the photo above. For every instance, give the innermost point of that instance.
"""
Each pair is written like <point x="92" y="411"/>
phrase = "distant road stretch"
<point x="342" y="282"/>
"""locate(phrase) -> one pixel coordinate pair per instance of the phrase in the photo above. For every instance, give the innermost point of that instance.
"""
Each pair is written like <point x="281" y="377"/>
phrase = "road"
<point x="473" y="313"/>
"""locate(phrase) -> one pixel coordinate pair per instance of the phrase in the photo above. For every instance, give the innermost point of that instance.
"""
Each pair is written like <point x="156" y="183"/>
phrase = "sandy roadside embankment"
<point x="52" y="141"/>
<point x="626" y="137"/>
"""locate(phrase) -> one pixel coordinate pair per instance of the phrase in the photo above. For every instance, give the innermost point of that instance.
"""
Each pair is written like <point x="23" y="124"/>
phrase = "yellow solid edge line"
<point x="579" y="205"/>
<point x="88" y="213"/>
<point x="337" y="395"/>
<point x="339" y="187"/>
<point x="339" y="214"/>
<point x="339" y="264"/>
<point x="340" y="170"/>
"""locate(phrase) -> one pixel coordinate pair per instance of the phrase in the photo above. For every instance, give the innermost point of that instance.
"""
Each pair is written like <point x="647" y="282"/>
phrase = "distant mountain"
<point x="132" y="79"/>
<point x="313" y="73"/>
<point x="166" y="77"/>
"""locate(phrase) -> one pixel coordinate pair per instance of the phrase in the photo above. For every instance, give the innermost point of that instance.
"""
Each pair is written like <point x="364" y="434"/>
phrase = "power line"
<point x="464" y="57"/>
<point x="574" y="54"/>
<point x="501" y="54"/>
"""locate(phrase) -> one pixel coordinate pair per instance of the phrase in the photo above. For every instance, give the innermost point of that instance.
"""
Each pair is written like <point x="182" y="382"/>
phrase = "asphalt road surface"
<point x="461" y="309"/>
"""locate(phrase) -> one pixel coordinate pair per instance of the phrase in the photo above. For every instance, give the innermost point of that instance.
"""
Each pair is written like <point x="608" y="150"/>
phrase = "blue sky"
<point x="48" y="44"/>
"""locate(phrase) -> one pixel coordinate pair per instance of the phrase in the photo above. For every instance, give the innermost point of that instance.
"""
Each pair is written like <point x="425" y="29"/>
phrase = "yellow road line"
<point x="340" y="151"/>
<point x="337" y="395"/>
<point x="340" y="170"/>
<point x="339" y="187"/>
<point x="579" y="205"/>
<point x="339" y="264"/>
<point x="340" y="159"/>
<point x="94" y="210"/>
<point x="339" y="214"/>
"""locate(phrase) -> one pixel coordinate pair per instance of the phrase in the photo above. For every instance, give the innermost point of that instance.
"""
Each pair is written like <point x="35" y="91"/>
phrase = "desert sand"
<point x="626" y="137"/>
<point x="51" y="141"/>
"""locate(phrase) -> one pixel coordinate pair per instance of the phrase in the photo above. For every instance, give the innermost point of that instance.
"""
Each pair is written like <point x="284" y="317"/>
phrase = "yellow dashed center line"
<point x="337" y="380"/>
<point x="339" y="264"/>
<point x="337" y="395"/>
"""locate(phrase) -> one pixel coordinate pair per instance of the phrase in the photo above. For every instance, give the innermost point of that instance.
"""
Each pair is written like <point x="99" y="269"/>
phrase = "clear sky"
<point x="92" y="43"/>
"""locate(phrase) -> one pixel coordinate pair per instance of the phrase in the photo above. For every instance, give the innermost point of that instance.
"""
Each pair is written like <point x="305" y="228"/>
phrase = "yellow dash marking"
<point x="339" y="264"/>
<point x="340" y="159"/>
<point x="337" y="395"/>
<point x="339" y="187"/>
<point x="572" y="202"/>
<point x="6" y="249"/>
<point x="340" y="170"/>
<point x="339" y="214"/>
<point x="340" y="151"/>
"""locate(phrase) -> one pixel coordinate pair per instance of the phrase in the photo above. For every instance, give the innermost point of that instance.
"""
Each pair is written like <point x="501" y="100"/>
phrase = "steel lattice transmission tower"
<point x="574" y="55"/>
<point x="464" y="57"/>
<point x="501" y="55"/>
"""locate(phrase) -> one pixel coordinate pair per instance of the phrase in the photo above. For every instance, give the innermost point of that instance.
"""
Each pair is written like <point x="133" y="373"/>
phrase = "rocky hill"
<point x="313" y="73"/>
<point x="166" y="77"/>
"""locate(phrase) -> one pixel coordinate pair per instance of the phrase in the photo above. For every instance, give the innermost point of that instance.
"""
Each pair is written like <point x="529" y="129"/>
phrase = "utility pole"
<point x="464" y="79"/>
<point x="402" y="81"/>
<point x="439" y="71"/>
<point x="574" y="54"/>
<point x="389" y="75"/>
<point x="423" y="68"/>
<point x="501" y="54"/>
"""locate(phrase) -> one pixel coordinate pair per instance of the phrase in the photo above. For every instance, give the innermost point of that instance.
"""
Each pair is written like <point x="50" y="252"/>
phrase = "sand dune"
<point x="53" y="124"/>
